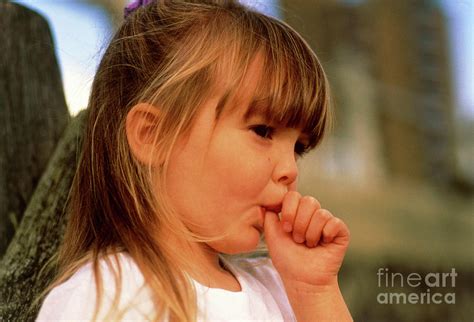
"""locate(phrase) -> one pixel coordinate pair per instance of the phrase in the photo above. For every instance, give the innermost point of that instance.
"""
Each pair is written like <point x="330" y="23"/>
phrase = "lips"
<point x="276" y="208"/>
<point x="273" y="208"/>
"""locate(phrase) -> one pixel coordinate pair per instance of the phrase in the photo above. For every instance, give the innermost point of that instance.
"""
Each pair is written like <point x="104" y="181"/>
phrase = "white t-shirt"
<point x="262" y="298"/>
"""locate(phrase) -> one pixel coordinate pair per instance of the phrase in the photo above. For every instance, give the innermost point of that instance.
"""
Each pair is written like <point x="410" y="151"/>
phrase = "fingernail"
<point x="287" y="227"/>
<point x="298" y="238"/>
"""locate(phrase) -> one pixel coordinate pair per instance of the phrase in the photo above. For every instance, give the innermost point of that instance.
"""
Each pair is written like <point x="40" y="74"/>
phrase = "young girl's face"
<point x="227" y="171"/>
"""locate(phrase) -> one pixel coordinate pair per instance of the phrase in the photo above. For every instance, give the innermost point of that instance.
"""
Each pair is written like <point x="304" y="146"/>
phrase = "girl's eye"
<point x="263" y="130"/>
<point x="300" y="148"/>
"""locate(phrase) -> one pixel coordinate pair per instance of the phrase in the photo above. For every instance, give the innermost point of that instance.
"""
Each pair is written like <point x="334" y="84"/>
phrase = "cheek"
<point x="239" y="170"/>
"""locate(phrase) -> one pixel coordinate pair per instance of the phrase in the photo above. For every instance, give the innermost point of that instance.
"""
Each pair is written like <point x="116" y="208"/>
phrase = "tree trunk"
<point x="33" y="111"/>
<point x="40" y="232"/>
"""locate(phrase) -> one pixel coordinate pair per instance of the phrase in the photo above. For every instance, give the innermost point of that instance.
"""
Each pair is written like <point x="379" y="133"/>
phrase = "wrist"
<point x="299" y="288"/>
<point x="317" y="302"/>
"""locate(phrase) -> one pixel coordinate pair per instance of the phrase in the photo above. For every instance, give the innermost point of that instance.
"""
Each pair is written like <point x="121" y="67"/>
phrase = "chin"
<point x="242" y="243"/>
<point x="248" y="243"/>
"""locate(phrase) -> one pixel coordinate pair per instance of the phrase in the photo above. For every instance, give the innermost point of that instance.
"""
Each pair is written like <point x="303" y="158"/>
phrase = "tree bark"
<point x="33" y="111"/>
<point x="40" y="232"/>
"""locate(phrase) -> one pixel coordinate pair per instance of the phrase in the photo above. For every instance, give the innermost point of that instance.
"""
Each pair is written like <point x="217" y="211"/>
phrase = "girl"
<point x="197" y="115"/>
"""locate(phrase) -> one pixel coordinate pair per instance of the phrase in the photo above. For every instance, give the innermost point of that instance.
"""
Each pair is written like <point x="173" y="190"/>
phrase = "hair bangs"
<point x="293" y="90"/>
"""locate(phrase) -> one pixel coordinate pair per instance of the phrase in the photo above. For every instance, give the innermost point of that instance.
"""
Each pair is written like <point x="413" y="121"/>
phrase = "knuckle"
<point x="299" y="226"/>
<point x="307" y="199"/>
<point x="311" y="201"/>
<point x="293" y="194"/>
<point x="324" y="213"/>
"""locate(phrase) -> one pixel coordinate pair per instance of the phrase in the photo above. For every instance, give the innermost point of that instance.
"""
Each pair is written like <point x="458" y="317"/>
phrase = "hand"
<point x="310" y="252"/>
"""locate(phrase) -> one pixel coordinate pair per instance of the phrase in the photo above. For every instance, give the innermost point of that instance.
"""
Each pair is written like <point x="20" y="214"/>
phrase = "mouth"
<point x="273" y="208"/>
<point x="276" y="208"/>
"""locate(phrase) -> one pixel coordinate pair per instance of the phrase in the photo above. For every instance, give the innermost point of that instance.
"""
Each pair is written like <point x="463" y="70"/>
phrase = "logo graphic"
<point x="444" y="282"/>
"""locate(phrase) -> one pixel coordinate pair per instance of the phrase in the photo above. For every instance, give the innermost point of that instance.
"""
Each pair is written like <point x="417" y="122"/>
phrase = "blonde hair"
<point x="174" y="54"/>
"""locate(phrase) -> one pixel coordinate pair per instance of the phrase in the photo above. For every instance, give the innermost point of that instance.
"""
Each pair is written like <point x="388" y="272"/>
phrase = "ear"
<point x="140" y="126"/>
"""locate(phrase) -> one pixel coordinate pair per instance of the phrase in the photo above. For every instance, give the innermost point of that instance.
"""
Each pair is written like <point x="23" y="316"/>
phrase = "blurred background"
<point x="398" y="163"/>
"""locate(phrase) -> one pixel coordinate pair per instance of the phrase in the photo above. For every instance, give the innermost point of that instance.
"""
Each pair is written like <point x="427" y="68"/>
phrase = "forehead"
<point x="238" y="96"/>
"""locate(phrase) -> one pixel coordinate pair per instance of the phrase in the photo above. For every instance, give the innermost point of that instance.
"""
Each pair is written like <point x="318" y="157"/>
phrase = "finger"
<point x="271" y="225"/>
<point x="288" y="210"/>
<point x="306" y="208"/>
<point x="273" y="232"/>
<point x="315" y="228"/>
<point x="335" y="230"/>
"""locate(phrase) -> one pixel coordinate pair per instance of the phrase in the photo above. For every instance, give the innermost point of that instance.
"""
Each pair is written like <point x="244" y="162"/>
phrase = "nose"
<point x="286" y="170"/>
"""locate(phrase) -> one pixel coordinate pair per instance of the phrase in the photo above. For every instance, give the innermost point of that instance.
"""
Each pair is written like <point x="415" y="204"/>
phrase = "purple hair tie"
<point x="134" y="6"/>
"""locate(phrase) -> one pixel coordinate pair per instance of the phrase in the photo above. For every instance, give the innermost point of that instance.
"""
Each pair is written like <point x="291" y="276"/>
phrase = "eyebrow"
<point x="258" y="106"/>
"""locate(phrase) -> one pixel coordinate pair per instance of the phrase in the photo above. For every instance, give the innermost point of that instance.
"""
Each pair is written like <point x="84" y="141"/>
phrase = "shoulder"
<point x="66" y="299"/>
<point x="76" y="298"/>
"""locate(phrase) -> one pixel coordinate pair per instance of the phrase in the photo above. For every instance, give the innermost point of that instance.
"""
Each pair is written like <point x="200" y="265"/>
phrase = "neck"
<point x="203" y="264"/>
<point x="206" y="258"/>
<point x="203" y="260"/>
